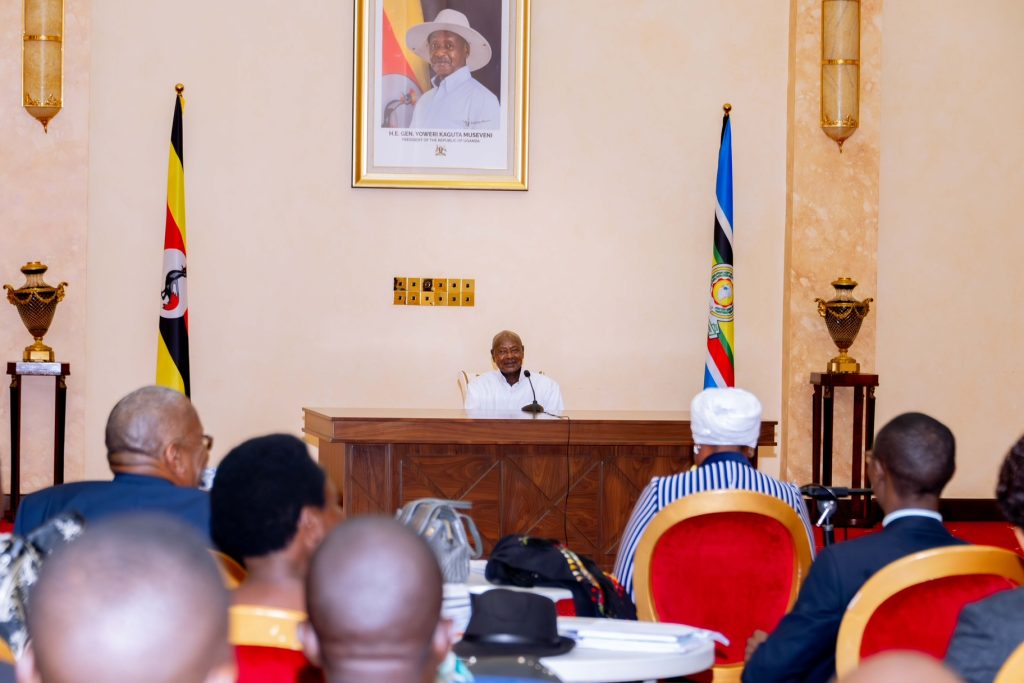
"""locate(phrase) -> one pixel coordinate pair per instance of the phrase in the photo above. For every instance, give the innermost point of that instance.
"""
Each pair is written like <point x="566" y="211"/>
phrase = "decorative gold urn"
<point x="843" y="316"/>
<point x="36" y="302"/>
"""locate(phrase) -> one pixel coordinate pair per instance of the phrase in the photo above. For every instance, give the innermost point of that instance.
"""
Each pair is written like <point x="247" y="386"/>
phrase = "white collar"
<point x="911" y="512"/>
<point x="455" y="79"/>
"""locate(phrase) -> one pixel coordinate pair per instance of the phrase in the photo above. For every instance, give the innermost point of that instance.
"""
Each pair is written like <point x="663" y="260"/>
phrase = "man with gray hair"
<point x="136" y="598"/>
<point x="725" y="424"/>
<point x="157" y="451"/>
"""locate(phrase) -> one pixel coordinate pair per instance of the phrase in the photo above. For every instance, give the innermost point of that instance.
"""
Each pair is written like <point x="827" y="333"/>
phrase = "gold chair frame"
<point x="927" y="565"/>
<point x="1012" y="670"/>
<point x="710" y="503"/>
<point x="265" y="626"/>
<point x="230" y="571"/>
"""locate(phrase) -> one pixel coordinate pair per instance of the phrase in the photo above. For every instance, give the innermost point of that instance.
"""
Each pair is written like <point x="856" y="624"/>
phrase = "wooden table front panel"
<point x="515" y="489"/>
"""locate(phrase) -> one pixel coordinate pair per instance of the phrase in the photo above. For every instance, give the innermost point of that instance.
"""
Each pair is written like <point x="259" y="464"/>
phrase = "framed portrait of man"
<point x="441" y="93"/>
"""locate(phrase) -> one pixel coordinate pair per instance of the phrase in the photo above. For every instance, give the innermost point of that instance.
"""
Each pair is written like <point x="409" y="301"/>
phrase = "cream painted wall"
<point x="602" y="265"/>
<point x="43" y="203"/>
<point x="950" y="242"/>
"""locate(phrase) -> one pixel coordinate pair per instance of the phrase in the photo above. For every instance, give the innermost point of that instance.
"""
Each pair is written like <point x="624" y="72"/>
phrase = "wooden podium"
<point x="574" y="479"/>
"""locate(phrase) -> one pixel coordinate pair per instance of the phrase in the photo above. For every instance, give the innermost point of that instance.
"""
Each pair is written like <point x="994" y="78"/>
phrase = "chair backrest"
<point x="1012" y="670"/>
<point x="267" y="646"/>
<point x="464" y="379"/>
<point x="230" y="571"/>
<point x="728" y="560"/>
<point x="914" y="602"/>
<point x="265" y="626"/>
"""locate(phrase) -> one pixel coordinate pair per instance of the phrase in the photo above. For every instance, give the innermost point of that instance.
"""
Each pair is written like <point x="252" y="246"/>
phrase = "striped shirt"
<point x="719" y="471"/>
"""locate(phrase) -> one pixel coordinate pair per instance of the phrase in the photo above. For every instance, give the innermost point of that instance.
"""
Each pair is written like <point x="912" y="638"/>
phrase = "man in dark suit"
<point x="157" y="451"/>
<point x="991" y="629"/>
<point x="912" y="461"/>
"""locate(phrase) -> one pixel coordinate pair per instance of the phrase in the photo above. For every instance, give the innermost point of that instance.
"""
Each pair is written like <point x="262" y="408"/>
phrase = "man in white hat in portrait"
<point x="454" y="50"/>
<point x="725" y="424"/>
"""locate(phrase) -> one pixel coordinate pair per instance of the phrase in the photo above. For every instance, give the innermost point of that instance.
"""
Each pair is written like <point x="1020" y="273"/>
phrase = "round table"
<point x="606" y="665"/>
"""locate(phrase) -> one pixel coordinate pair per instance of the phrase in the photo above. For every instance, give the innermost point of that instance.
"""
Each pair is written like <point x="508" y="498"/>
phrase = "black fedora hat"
<point x="508" y="622"/>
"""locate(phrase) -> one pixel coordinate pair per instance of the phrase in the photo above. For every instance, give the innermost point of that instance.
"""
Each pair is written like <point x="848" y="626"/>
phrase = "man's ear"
<point x="311" y="527"/>
<point x="172" y="457"/>
<point x="441" y="643"/>
<point x="310" y="642"/>
<point x="25" y="670"/>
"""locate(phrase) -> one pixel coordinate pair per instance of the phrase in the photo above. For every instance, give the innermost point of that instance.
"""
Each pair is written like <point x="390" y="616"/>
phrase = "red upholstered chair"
<point x="267" y="647"/>
<point x="914" y="602"/>
<point x="731" y="561"/>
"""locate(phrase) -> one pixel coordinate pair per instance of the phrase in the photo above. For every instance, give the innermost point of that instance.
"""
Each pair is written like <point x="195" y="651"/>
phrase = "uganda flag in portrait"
<point x="172" y="344"/>
<point x="405" y="75"/>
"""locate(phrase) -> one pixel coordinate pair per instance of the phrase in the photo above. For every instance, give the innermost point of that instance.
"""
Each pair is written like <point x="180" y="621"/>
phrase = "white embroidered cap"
<point x="725" y="417"/>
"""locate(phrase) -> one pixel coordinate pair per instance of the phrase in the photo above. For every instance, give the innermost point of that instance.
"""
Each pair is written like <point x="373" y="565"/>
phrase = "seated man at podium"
<point x="510" y="388"/>
<point x="725" y="424"/>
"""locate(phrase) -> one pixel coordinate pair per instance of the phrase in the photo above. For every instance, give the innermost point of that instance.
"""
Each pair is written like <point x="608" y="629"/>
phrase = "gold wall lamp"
<point x="43" y="56"/>
<point x="840" y="68"/>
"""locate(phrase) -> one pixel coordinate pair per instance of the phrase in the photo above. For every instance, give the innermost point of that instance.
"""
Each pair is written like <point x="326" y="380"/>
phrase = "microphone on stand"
<point x="532" y="407"/>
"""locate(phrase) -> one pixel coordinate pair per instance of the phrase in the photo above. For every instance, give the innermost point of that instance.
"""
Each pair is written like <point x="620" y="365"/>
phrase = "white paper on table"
<point x="637" y="636"/>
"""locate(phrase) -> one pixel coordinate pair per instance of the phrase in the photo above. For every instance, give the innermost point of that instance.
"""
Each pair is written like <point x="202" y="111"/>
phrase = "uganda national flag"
<point x="720" y="367"/>
<point x="172" y="345"/>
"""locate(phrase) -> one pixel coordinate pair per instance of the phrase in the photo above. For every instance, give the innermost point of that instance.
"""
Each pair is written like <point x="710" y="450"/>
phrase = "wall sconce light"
<point x="840" y="68"/>
<point x="43" y="55"/>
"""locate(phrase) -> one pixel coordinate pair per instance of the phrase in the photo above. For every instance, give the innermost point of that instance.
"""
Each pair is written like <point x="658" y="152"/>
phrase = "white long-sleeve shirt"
<point x="493" y="392"/>
<point x="459" y="101"/>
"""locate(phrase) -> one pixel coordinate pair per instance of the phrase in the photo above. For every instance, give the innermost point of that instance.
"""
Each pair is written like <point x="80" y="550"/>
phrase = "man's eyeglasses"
<point x="207" y="442"/>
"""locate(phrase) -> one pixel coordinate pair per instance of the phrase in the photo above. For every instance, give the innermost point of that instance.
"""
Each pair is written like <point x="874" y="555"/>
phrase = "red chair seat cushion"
<point x="728" y="572"/>
<point x="258" y="664"/>
<point x="923" y="617"/>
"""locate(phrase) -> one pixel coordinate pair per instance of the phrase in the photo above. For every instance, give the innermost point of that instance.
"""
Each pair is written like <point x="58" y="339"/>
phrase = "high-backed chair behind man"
<point x="729" y="560"/>
<point x="913" y="603"/>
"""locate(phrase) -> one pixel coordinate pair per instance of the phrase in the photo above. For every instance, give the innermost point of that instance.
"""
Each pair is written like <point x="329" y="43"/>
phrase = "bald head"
<point x="505" y="337"/>
<point x="374" y="598"/>
<point x="134" y="599"/>
<point x="156" y="428"/>
<point x="902" y="667"/>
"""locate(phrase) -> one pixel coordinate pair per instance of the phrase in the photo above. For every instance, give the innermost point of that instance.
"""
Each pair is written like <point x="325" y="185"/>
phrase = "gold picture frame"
<point x="409" y="128"/>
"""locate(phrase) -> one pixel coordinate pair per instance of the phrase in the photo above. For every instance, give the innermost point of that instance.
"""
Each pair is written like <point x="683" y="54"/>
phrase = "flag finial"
<point x="727" y="108"/>
<point x="179" y="88"/>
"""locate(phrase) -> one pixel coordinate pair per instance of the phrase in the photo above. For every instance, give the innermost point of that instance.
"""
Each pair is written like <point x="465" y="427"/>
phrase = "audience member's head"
<point x="912" y="461"/>
<point x="271" y="506"/>
<point x="1010" y="489"/>
<point x="902" y="667"/>
<point x="134" y="599"/>
<point x="727" y="419"/>
<point x="374" y="602"/>
<point x="155" y="431"/>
